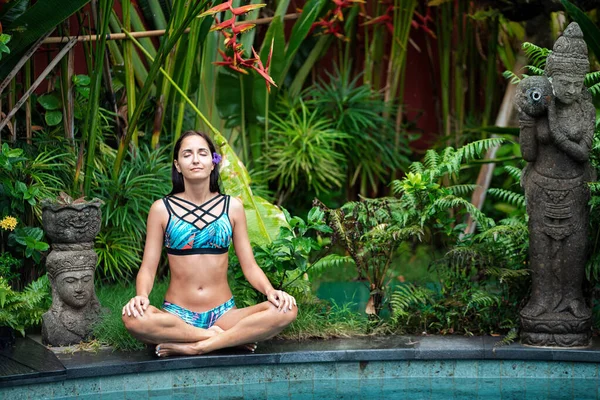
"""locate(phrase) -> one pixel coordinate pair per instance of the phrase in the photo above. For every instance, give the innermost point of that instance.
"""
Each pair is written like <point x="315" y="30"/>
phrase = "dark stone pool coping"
<point x="28" y="362"/>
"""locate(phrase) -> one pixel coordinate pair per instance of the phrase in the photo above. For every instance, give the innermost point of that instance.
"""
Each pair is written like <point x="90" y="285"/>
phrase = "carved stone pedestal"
<point x="71" y="266"/>
<point x="556" y="329"/>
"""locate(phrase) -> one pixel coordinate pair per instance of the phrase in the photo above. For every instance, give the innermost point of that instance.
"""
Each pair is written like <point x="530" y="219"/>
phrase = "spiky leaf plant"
<point x="373" y="150"/>
<point x="304" y="151"/>
<point x="127" y="200"/>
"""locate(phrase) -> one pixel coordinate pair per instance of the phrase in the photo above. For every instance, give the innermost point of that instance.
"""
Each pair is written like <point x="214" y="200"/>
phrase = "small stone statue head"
<point x="567" y="65"/>
<point x="73" y="281"/>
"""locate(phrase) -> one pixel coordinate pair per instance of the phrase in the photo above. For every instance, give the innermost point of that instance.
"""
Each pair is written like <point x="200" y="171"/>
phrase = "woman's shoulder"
<point x="235" y="203"/>
<point x="158" y="206"/>
<point x="236" y="207"/>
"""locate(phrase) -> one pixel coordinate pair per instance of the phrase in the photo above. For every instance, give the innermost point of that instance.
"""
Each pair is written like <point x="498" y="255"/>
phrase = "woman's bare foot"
<point x="191" y="349"/>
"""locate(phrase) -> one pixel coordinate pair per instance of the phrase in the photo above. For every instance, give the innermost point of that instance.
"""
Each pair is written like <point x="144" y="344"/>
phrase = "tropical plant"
<point x="10" y="266"/>
<point x="21" y="310"/>
<point x="481" y="278"/>
<point x="304" y="151"/>
<point x="127" y="200"/>
<point x="287" y="259"/>
<point x="432" y="188"/>
<point x="53" y="105"/>
<point x="364" y="116"/>
<point x="370" y="231"/>
<point x="24" y="181"/>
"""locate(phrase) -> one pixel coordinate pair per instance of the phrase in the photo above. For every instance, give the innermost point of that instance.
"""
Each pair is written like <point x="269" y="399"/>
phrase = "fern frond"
<point x="461" y="190"/>
<point x="416" y="168"/>
<point x="450" y="201"/>
<point x="480" y="298"/>
<point x="537" y="55"/>
<point x="535" y="70"/>
<point x="331" y="261"/>
<point x="592" y="78"/>
<point x="406" y="296"/>
<point x="514" y="78"/>
<point x="510" y="337"/>
<point x="397" y="187"/>
<point x="476" y="149"/>
<point x="515" y="222"/>
<point x="406" y="232"/>
<point x="514" y="172"/>
<point x="431" y="159"/>
<point x="504" y="274"/>
<point x="512" y="198"/>
<point x="595" y="89"/>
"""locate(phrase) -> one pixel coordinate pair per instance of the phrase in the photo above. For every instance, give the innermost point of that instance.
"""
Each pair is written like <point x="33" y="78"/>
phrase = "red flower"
<point x="230" y="31"/>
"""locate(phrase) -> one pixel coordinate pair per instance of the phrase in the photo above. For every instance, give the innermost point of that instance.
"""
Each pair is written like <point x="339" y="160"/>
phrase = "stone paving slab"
<point x="30" y="362"/>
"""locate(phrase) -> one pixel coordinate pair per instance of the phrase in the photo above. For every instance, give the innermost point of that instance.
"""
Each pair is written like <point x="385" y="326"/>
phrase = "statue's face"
<point x="567" y="88"/>
<point x="75" y="288"/>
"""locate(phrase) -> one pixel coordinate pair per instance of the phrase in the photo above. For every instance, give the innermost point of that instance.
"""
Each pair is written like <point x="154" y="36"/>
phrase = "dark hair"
<point x="177" y="177"/>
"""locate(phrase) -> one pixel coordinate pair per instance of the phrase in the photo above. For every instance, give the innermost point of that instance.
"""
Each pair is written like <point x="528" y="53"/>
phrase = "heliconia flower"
<point x="262" y="71"/>
<point x="225" y="24"/>
<point x="241" y="28"/>
<point x="217" y="9"/>
<point x="331" y="22"/>
<point x="245" y="9"/>
<point x="236" y="61"/>
<point x="382" y="19"/>
<point x="270" y="55"/>
<point x="423" y="24"/>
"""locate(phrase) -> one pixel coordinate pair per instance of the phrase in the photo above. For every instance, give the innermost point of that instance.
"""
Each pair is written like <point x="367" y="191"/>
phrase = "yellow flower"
<point x="8" y="223"/>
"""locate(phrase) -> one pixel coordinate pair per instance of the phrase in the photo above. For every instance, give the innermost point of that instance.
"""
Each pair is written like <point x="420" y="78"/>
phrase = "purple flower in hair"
<point x="216" y="158"/>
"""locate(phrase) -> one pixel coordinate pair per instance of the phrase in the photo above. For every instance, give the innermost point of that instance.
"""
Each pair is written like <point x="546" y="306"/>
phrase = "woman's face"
<point x="567" y="88"/>
<point x="75" y="288"/>
<point x="194" y="160"/>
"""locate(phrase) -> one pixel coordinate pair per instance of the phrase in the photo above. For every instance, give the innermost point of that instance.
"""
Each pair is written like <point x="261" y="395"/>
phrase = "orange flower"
<point x="230" y="31"/>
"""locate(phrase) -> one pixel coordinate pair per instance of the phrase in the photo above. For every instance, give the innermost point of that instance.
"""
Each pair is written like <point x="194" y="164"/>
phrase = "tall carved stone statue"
<point x="557" y="121"/>
<point x="71" y="266"/>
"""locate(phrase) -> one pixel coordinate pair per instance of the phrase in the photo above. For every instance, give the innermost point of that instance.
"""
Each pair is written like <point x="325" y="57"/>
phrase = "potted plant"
<point x="70" y="221"/>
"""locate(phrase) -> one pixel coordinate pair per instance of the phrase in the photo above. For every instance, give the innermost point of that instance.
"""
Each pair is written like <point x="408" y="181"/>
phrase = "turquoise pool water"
<point x="414" y="380"/>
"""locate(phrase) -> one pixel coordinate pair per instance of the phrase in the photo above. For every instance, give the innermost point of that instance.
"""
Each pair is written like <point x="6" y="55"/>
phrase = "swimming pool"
<point x="410" y="379"/>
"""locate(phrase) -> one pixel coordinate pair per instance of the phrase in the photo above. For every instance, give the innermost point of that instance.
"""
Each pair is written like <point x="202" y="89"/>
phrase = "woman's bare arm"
<point x="152" y="251"/>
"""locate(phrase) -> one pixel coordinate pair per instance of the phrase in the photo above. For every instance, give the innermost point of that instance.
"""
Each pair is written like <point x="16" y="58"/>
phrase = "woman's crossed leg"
<point x="240" y="326"/>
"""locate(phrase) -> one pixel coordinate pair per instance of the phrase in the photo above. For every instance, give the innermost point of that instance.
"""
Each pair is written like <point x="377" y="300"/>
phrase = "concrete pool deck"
<point x="28" y="362"/>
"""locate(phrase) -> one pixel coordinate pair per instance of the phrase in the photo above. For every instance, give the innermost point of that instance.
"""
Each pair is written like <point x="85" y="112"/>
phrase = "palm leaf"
<point x="42" y="17"/>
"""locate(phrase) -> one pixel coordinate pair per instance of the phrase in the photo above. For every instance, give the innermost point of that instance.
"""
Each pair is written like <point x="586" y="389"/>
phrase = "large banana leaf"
<point x="33" y="24"/>
<point x="264" y="219"/>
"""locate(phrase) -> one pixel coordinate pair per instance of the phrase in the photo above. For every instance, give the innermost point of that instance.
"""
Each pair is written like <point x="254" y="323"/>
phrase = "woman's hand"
<point x="136" y="306"/>
<point x="283" y="301"/>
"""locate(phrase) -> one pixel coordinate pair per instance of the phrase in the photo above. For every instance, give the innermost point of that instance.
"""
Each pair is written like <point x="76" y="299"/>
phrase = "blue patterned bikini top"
<point x="197" y="229"/>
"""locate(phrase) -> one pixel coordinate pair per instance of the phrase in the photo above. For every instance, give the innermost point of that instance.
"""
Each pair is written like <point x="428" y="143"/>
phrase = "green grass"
<point x="110" y="330"/>
<point x="317" y="319"/>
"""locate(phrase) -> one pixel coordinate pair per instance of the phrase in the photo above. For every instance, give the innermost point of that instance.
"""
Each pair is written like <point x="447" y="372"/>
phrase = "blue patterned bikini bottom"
<point x="202" y="320"/>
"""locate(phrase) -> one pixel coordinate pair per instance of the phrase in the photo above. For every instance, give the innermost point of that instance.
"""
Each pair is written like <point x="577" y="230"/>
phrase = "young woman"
<point x="197" y="223"/>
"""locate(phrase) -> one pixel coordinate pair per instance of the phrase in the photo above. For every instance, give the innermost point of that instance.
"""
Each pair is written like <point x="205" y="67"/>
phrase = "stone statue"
<point x="75" y="307"/>
<point x="71" y="266"/>
<point x="557" y="120"/>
